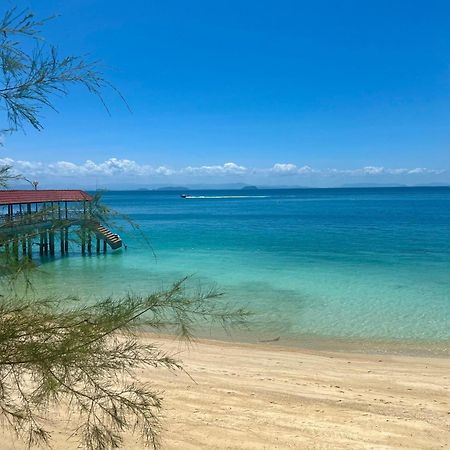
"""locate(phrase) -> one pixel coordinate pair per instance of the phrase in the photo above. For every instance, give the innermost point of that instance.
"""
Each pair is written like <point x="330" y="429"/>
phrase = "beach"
<point x="351" y="284"/>
<point x="236" y="234"/>
<point x="263" y="396"/>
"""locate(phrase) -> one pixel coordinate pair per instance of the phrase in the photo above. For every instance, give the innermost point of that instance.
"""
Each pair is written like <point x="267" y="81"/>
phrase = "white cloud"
<point x="229" y="168"/>
<point x="163" y="170"/>
<point x="6" y="162"/>
<point x="115" y="167"/>
<point x="291" y="169"/>
<point x="377" y="170"/>
<point x="425" y="170"/>
<point x="306" y="169"/>
<point x="371" y="170"/>
<point x="284" y="168"/>
<point x="112" y="166"/>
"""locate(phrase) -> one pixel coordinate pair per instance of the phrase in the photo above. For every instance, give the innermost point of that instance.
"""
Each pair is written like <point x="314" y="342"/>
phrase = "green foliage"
<point x="6" y="176"/>
<point x="29" y="79"/>
<point x="62" y="353"/>
<point x="58" y="352"/>
<point x="82" y="357"/>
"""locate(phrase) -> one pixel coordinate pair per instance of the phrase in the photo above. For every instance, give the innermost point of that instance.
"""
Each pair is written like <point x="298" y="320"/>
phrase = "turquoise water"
<point x="336" y="264"/>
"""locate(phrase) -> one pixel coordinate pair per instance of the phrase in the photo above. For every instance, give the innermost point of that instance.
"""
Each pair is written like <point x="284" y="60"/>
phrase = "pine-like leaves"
<point x="29" y="79"/>
<point x="84" y="357"/>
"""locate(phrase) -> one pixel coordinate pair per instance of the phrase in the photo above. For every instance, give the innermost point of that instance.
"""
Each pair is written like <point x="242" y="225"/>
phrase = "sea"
<point x="365" y="269"/>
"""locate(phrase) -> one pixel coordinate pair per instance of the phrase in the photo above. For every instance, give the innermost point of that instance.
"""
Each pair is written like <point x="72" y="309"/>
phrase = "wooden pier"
<point x="50" y="219"/>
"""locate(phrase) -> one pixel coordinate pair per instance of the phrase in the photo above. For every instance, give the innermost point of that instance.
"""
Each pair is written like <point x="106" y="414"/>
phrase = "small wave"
<point x="224" y="196"/>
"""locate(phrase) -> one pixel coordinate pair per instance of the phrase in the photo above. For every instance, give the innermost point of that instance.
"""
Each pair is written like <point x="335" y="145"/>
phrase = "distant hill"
<point x="434" y="185"/>
<point x="392" y="185"/>
<point x="372" y="185"/>
<point x="173" y="188"/>
<point x="249" y="188"/>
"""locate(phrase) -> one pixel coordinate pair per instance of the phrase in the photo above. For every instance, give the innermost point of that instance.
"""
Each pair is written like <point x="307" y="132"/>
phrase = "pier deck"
<point x="47" y="216"/>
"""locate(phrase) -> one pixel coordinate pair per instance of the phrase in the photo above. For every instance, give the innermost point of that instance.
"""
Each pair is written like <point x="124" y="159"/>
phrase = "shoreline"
<point x="247" y="396"/>
<point x="314" y="343"/>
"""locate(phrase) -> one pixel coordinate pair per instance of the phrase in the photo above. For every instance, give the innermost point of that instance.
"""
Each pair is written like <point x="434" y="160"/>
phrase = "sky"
<point x="292" y="93"/>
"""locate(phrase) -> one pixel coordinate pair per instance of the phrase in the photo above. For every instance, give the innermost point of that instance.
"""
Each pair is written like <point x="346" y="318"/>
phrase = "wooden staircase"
<point x="113" y="240"/>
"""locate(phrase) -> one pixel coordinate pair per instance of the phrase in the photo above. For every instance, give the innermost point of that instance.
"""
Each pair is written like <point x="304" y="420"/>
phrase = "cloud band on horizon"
<point x="126" y="167"/>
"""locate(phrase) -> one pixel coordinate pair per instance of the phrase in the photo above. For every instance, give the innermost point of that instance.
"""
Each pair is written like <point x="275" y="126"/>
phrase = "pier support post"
<point x="83" y="241"/>
<point x="41" y="243"/>
<point x="66" y="242"/>
<point x="98" y="245"/>
<point x="24" y="246"/>
<point x="46" y="242"/>
<point x="51" y="235"/>
<point x="104" y="246"/>
<point x="30" y="247"/>
<point x="15" y="249"/>
<point x="61" y="240"/>
<point x="89" y="244"/>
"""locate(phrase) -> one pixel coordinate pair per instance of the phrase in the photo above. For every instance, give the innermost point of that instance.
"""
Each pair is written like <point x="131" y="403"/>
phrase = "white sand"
<point x="264" y="397"/>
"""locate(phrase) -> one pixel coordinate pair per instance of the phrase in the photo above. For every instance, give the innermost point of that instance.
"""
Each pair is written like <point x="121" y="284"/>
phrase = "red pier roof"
<point x="15" y="197"/>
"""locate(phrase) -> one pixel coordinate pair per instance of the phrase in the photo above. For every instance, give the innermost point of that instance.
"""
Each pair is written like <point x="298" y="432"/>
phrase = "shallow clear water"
<point x="371" y="264"/>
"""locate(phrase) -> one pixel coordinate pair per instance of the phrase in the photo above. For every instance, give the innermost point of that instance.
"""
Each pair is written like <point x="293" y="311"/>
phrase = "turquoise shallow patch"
<point x="332" y="263"/>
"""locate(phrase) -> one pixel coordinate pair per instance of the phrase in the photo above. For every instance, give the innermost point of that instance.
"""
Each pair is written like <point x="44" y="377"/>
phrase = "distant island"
<point x="373" y="185"/>
<point x="172" y="188"/>
<point x="234" y="187"/>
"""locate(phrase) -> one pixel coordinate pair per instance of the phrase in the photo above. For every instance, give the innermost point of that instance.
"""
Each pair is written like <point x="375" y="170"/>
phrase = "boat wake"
<point x="222" y="196"/>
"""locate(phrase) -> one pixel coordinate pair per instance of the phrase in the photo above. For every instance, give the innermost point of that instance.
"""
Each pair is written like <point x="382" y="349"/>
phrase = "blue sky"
<point x="288" y="92"/>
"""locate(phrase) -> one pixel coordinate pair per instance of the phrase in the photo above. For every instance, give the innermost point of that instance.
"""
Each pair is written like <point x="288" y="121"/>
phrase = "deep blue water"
<point x="369" y="264"/>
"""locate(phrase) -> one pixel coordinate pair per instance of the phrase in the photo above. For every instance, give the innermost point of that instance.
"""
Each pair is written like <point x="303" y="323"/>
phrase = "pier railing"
<point x="42" y="216"/>
<point x="24" y="225"/>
